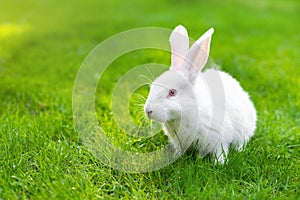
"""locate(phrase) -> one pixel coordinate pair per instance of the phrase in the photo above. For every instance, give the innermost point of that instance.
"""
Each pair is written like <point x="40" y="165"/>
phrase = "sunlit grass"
<point x="12" y="30"/>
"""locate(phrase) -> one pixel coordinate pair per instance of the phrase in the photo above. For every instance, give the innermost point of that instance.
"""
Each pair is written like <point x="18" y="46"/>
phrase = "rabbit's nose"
<point x="148" y="111"/>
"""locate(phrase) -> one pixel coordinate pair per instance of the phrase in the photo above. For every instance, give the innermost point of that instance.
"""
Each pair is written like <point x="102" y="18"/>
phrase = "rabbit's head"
<point x="171" y="94"/>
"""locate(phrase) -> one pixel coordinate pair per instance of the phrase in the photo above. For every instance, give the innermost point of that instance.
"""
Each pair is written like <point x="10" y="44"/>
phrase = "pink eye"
<point x="172" y="92"/>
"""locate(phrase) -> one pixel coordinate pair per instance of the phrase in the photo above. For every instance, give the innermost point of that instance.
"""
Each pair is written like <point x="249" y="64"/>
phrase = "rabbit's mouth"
<point x="157" y="115"/>
<point x="157" y="118"/>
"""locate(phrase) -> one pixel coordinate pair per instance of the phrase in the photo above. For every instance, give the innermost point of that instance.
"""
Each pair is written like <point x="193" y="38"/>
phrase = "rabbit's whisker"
<point x="146" y="77"/>
<point x="151" y="74"/>
<point x="141" y="97"/>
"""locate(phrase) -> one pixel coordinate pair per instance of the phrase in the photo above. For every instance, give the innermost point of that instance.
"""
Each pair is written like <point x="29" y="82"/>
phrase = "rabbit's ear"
<point x="197" y="56"/>
<point x="179" y="41"/>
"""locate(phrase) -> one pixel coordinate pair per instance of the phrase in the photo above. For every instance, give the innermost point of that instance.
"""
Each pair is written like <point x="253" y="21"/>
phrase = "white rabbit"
<point x="208" y="110"/>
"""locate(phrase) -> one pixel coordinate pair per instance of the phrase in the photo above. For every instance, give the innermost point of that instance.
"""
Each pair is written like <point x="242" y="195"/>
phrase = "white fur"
<point x="210" y="110"/>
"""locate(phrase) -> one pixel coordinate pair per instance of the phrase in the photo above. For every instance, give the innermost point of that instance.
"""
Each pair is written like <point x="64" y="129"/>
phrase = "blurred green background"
<point x="42" y="45"/>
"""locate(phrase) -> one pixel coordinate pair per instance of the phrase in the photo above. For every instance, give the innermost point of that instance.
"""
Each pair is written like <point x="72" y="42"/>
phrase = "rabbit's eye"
<point x="172" y="92"/>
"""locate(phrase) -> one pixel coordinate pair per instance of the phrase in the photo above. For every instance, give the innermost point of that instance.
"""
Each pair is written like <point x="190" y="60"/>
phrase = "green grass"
<point x="42" y="44"/>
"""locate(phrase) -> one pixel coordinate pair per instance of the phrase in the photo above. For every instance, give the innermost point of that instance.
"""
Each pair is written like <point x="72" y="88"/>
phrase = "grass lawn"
<point x="42" y="45"/>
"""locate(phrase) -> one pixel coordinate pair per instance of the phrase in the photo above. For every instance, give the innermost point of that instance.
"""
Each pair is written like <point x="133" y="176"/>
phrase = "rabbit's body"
<point x="209" y="110"/>
<point x="236" y="126"/>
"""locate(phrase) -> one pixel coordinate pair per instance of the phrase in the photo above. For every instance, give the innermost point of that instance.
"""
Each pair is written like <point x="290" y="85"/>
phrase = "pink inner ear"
<point x="202" y="54"/>
<point x="177" y="60"/>
<point x="198" y="55"/>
